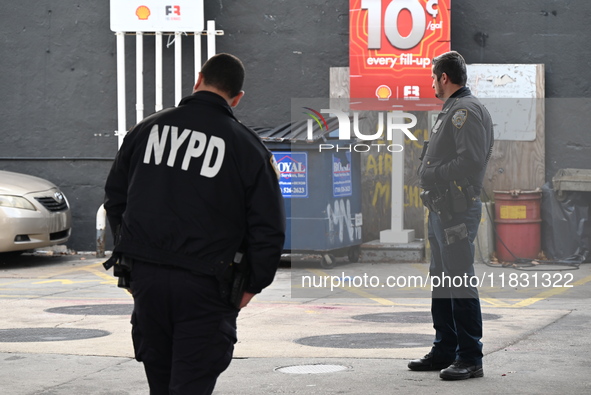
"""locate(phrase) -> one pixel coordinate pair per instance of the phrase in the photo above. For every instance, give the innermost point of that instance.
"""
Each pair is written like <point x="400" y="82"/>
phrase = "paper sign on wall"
<point x="391" y="45"/>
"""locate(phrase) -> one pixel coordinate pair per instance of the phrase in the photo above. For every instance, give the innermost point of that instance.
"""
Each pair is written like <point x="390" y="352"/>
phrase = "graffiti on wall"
<point x="377" y="185"/>
<point x="378" y="166"/>
<point x="343" y="225"/>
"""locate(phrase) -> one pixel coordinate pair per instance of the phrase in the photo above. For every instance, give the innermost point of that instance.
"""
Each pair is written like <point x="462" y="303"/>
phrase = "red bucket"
<point x="519" y="224"/>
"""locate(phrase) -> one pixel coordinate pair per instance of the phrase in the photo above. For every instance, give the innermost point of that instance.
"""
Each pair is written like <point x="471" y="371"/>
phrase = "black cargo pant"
<point x="455" y="305"/>
<point x="183" y="332"/>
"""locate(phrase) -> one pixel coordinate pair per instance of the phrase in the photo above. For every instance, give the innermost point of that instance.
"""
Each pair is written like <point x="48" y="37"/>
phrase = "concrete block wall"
<point x="58" y="80"/>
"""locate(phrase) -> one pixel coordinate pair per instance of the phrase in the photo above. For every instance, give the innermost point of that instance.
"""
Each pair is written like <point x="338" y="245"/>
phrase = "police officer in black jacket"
<point x="190" y="187"/>
<point x="451" y="175"/>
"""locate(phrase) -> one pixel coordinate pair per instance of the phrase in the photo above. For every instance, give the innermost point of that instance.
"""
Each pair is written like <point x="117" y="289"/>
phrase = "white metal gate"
<point x="116" y="20"/>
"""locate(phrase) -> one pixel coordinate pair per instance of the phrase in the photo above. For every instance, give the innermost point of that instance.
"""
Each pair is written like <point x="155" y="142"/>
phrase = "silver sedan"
<point x="34" y="213"/>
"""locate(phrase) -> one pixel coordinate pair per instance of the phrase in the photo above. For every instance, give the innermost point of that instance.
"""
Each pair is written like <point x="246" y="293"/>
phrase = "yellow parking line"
<point x="495" y="302"/>
<point x="54" y="274"/>
<point x="550" y="292"/>
<point x="64" y="281"/>
<point x="421" y="267"/>
<point x="357" y="291"/>
<point x="367" y="295"/>
<point x="104" y="275"/>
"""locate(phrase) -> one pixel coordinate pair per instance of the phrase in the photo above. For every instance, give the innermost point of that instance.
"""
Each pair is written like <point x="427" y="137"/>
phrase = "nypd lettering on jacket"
<point x="212" y="149"/>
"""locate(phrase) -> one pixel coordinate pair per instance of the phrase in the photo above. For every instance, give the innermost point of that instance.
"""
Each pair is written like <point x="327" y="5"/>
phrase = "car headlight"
<point x="16" y="202"/>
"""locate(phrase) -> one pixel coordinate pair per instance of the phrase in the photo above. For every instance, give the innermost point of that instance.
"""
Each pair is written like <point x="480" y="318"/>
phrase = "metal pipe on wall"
<point x="139" y="76"/>
<point x="210" y="39"/>
<point x="178" y="68"/>
<point x="158" y="101"/>
<point x="197" y="56"/>
<point x="121" y="106"/>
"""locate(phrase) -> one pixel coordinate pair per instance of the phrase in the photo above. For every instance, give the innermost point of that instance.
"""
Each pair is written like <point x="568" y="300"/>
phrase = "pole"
<point x="397" y="233"/>
<point x="197" y="51"/>
<point x="101" y="215"/>
<point x="139" y="76"/>
<point x="158" y="100"/>
<point x="101" y="226"/>
<point x="121" y="121"/>
<point x="210" y="39"/>
<point x="178" y="68"/>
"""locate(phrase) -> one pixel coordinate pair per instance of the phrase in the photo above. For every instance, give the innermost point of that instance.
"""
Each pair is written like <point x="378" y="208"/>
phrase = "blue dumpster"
<point x="321" y="189"/>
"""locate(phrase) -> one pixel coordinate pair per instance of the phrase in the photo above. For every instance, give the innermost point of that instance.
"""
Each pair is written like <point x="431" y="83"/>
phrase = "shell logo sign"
<point x="142" y="12"/>
<point x="383" y="92"/>
<point x="157" y="15"/>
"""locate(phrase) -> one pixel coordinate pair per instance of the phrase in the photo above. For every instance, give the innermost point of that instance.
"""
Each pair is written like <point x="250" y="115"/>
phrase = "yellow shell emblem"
<point x="142" y="12"/>
<point x="383" y="92"/>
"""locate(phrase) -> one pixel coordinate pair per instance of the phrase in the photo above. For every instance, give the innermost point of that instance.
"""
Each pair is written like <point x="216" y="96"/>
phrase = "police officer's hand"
<point x="246" y="297"/>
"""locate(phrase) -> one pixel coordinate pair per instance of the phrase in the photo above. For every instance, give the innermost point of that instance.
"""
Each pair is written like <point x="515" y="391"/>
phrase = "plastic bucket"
<point x="518" y="223"/>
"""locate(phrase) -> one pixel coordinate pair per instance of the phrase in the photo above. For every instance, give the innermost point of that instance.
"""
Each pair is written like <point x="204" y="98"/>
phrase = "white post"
<point x="139" y="76"/>
<point x="101" y="215"/>
<point x="397" y="234"/>
<point x="158" y="100"/>
<point x="101" y="226"/>
<point x="178" y="68"/>
<point x="210" y="39"/>
<point x="197" y="50"/>
<point x="121" y="108"/>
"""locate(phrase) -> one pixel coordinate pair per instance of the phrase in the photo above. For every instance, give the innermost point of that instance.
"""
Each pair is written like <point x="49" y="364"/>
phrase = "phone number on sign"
<point x="287" y="190"/>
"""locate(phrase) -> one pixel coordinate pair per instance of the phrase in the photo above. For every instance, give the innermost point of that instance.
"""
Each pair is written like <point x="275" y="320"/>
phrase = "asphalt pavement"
<point x="349" y="330"/>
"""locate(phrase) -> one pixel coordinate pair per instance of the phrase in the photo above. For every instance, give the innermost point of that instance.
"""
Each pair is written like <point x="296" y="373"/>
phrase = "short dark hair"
<point x="452" y="64"/>
<point x="224" y="72"/>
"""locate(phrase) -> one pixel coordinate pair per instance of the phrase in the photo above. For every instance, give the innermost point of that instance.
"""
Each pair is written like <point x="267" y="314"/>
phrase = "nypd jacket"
<point x="190" y="186"/>
<point x="459" y="143"/>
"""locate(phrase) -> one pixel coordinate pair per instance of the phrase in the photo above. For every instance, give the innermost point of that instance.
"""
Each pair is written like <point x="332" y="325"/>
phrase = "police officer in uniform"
<point x="451" y="175"/>
<point x="190" y="187"/>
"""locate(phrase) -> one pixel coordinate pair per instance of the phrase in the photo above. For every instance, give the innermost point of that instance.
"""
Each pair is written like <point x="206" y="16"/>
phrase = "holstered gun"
<point x="121" y="265"/>
<point x="121" y="269"/>
<point x="240" y="275"/>
<point x="437" y="202"/>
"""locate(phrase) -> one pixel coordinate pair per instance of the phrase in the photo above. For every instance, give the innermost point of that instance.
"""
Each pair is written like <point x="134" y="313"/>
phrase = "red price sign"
<point x="391" y="45"/>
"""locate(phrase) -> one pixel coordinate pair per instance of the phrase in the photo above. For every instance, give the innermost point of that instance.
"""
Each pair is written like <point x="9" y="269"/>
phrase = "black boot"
<point x="428" y="362"/>
<point x="460" y="370"/>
